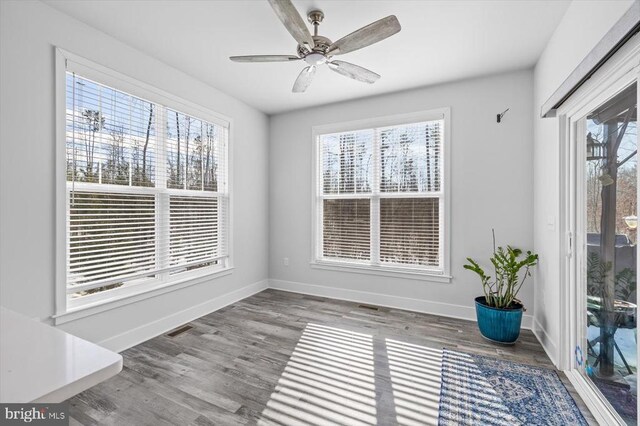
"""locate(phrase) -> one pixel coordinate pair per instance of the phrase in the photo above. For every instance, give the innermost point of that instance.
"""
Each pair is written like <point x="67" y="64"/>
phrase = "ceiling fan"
<point x="317" y="50"/>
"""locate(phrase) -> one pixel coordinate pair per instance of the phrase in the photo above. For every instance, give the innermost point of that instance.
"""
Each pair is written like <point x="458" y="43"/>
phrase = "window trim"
<point x="65" y="311"/>
<point x="318" y="262"/>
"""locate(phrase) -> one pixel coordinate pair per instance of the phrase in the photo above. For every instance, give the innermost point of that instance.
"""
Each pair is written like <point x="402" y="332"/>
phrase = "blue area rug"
<point x="478" y="390"/>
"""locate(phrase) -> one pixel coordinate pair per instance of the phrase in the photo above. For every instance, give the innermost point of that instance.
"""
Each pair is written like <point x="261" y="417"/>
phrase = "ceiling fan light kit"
<point x="317" y="50"/>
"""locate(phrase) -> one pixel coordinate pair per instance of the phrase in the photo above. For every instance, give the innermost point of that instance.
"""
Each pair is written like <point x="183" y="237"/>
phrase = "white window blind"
<point x="380" y="196"/>
<point x="147" y="194"/>
<point x="346" y="232"/>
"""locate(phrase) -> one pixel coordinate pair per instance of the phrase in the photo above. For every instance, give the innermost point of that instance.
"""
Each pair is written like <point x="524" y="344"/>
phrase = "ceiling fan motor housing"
<point x="321" y="46"/>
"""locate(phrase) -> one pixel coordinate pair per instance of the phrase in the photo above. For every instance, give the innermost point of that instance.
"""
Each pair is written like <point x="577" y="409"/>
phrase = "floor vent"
<point x="180" y="330"/>
<point x="372" y="308"/>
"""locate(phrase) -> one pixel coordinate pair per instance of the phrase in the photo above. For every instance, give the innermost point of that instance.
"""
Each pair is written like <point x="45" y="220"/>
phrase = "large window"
<point x="380" y="195"/>
<point x="146" y="192"/>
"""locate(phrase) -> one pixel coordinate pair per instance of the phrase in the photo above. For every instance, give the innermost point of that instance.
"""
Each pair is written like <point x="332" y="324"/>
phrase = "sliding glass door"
<point x="607" y="267"/>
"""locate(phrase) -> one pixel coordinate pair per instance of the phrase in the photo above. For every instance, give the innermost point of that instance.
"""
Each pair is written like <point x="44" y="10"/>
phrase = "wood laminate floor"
<point x="286" y="358"/>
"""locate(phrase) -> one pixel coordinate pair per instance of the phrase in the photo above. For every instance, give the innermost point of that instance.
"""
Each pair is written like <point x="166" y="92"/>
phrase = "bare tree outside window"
<point x="380" y="195"/>
<point x="124" y="225"/>
<point x="611" y="225"/>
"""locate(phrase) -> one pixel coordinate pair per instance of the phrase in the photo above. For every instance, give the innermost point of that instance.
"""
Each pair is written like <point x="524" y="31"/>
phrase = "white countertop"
<point x="40" y="363"/>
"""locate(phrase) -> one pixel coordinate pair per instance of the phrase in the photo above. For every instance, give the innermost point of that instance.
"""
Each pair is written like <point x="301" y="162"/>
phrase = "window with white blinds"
<point x="146" y="190"/>
<point x="381" y="196"/>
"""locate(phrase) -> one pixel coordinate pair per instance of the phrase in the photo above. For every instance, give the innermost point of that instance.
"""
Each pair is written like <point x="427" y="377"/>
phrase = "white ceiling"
<point x="440" y="41"/>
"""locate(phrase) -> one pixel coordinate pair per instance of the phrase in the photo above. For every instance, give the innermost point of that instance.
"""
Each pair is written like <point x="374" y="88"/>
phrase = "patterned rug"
<point x="488" y="391"/>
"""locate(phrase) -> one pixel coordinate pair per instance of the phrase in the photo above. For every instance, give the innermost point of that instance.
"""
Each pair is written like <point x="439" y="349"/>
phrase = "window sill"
<point x="385" y="271"/>
<point x="136" y="295"/>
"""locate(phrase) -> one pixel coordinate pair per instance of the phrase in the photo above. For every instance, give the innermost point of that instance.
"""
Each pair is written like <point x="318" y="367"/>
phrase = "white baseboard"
<point x="406" y="303"/>
<point x="548" y="345"/>
<point x="145" y="332"/>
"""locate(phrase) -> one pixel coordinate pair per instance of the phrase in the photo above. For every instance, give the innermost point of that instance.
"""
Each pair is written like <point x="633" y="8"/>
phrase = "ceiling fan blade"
<point x="292" y="20"/>
<point x="354" y="71"/>
<point x="365" y="36"/>
<point x="264" y="58"/>
<point x="304" y="79"/>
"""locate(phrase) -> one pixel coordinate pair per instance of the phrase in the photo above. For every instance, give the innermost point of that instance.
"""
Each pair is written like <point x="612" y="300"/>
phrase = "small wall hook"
<point x="499" y="116"/>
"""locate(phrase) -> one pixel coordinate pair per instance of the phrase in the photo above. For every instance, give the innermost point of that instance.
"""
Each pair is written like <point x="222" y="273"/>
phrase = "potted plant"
<point x="499" y="311"/>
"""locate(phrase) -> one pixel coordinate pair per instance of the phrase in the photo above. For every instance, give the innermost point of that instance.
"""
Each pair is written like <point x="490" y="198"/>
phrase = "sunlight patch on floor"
<point x="415" y="379"/>
<point x="329" y="379"/>
<point x="336" y="376"/>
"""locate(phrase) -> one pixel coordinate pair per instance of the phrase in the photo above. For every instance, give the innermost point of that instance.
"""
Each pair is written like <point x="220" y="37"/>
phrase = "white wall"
<point x="29" y="32"/>
<point x="582" y="27"/>
<point x="274" y="202"/>
<point x="492" y="177"/>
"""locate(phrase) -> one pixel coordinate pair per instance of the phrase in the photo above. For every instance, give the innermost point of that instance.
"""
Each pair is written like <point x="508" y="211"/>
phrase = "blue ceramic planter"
<point x="498" y="325"/>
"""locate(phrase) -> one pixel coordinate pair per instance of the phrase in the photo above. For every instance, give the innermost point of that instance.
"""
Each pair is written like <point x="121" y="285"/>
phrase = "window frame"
<point x="66" y="310"/>
<point x="411" y="272"/>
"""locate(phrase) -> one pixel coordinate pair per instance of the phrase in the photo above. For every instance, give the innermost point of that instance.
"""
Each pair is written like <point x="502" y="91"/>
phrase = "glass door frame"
<point x="621" y="71"/>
